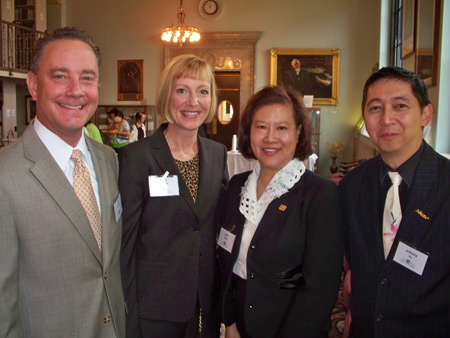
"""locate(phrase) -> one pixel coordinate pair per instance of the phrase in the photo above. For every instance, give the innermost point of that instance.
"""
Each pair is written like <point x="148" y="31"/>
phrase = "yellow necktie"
<point x="392" y="215"/>
<point x="85" y="193"/>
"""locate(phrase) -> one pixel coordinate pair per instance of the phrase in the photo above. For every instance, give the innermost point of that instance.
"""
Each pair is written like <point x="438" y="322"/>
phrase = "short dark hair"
<point x="276" y="95"/>
<point x="65" y="33"/>
<point x="116" y="112"/>
<point x="139" y="115"/>
<point x="418" y="87"/>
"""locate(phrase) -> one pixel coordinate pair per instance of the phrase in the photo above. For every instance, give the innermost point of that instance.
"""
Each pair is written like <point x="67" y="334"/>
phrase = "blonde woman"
<point x="170" y="185"/>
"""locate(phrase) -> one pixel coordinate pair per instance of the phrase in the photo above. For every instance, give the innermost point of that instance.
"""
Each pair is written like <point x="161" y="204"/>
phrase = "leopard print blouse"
<point x="190" y="171"/>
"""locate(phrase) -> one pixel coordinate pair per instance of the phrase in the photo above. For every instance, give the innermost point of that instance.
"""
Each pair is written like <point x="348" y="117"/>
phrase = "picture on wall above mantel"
<point x="130" y="80"/>
<point x="310" y="71"/>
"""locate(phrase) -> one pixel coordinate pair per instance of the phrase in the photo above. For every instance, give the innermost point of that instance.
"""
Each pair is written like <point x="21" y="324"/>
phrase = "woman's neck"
<point x="264" y="179"/>
<point x="182" y="143"/>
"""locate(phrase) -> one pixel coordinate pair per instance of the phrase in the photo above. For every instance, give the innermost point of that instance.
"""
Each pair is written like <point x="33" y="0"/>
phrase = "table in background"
<point x="239" y="164"/>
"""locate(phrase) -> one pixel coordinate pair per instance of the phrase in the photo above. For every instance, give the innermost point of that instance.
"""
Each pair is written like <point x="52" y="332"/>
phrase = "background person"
<point x="169" y="265"/>
<point x="280" y="244"/>
<point x="138" y="130"/>
<point x="59" y="266"/>
<point x="400" y="268"/>
<point x="120" y="131"/>
<point x="92" y="131"/>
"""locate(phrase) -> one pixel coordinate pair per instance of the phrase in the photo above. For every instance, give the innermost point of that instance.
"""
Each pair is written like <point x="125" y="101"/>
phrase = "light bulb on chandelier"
<point x="180" y="33"/>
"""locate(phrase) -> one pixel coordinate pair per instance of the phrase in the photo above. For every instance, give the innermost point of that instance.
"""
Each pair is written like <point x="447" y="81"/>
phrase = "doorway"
<point x="226" y="122"/>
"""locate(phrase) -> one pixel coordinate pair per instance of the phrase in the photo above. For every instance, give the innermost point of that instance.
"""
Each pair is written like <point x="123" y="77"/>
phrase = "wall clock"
<point x="210" y="9"/>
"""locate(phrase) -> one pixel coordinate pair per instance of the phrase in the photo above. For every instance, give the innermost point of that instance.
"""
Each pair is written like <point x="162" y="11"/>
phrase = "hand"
<point x="322" y="81"/>
<point x="232" y="331"/>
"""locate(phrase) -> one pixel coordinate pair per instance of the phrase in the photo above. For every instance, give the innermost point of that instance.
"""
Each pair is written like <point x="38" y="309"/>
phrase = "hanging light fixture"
<point x="180" y="33"/>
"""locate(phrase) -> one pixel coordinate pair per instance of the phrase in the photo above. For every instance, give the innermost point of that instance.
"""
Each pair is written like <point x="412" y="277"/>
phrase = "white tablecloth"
<point x="238" y="163"/>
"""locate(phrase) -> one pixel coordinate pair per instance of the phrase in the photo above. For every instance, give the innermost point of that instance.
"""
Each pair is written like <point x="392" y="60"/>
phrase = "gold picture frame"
<point x="130" y="80"/>
<point x="320" y="74"/>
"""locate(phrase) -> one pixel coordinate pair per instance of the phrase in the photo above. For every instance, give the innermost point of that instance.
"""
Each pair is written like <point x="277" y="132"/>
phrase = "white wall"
<point x="130" y="29"/>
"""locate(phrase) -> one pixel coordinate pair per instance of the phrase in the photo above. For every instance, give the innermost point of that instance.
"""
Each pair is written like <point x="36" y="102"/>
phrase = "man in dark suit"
<point x="59" y="251"/>
<point x="400" y="286"/>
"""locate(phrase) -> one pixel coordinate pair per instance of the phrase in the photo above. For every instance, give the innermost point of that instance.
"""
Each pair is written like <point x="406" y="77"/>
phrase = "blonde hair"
<point x="185" y="66"/>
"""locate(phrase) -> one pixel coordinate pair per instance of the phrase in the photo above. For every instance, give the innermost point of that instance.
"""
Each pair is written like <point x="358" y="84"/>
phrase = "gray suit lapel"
<point x="48" y="173"/>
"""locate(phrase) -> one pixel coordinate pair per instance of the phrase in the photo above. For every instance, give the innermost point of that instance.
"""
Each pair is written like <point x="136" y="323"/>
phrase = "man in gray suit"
<point x="56" y="278"/>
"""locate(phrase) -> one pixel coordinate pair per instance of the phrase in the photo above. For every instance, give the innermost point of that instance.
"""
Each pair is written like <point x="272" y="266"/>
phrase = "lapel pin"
<point x="232" y="228"/>
<point x="422" y="214"/>
<point x="282" y="207"/>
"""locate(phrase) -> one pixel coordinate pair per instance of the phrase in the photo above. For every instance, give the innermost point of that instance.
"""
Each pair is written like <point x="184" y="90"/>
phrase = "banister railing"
<point x="17" y="46"/>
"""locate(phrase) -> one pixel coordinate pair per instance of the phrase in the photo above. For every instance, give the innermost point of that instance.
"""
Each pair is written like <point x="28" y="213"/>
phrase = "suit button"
<point x="250" y="306"/>
<point x="105" y="275"/>
<point x="253" y="246"/>
<point x="383" y="281"/>
<point x="107" y="319"/>
<point x="379" y="318"/>
<point x="252" y="275"/>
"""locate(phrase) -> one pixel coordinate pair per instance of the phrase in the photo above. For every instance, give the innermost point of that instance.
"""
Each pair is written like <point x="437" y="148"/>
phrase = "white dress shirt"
<point x="61" y="152"/>
<point x="253" y="209"/>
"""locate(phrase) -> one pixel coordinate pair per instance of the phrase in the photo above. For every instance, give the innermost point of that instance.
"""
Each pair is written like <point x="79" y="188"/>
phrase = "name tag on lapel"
<point x="410" y="258"/>
<point x="166" y="185"/>
<point x="226" y="240"/>
<point x="118" y="208"/>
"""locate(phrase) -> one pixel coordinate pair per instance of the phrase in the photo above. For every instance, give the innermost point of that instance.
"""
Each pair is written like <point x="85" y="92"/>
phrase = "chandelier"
<point x="180" y="33"/>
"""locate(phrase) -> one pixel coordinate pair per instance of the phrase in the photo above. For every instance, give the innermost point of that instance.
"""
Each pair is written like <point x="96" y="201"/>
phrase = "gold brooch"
<point x="282" y="207"/>
<point x="422" y="214"/>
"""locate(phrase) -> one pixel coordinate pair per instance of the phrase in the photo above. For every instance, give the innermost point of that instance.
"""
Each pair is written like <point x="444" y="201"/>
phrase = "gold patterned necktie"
<point x="392" y="215"/>
<point x="85" y="193"/>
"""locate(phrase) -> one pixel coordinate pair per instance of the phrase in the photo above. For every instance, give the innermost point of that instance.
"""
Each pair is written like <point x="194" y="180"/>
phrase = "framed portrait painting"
<point x="131" y="80"/>
<point x="310" y="71"/>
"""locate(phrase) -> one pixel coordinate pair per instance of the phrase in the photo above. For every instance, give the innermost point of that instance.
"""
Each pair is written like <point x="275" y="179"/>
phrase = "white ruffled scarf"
<point x="252" y="208"/>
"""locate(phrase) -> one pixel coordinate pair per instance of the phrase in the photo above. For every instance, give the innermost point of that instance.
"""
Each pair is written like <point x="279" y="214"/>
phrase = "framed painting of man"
<point x="310" y="71"/>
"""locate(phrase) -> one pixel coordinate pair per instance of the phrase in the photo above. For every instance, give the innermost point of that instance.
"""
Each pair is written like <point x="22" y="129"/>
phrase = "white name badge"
<point x="118" y="208"/>
<point x="410" y="258"/>
<point x="165" y="185"/>
<point x="226" y="240"/>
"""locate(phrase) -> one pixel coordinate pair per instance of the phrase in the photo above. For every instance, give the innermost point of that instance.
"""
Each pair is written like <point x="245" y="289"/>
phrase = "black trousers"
<point x="166" y="329"/>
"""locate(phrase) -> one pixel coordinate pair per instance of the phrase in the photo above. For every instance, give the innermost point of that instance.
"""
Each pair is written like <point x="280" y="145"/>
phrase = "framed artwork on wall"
<point x="310" y="71"/>
<point x="130" y="80"/>
<point x="30" y="108"/>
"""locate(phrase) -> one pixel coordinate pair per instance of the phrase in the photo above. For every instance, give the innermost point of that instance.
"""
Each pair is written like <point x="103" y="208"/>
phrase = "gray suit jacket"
<point x="54" y="282"/>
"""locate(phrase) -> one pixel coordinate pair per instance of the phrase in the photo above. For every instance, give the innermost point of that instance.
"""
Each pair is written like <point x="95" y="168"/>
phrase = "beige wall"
<point x="130" y="29"/>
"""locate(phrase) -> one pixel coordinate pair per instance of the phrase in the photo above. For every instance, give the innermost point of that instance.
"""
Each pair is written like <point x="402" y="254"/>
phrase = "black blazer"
<point x="294" y="261"/>
<point x="168" y="256"/>
<point x="388" y="300"/>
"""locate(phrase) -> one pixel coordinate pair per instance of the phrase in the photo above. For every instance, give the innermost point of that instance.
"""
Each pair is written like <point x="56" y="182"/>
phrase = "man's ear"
<point x="32" y="85"/>
<point x="427" y="114"/>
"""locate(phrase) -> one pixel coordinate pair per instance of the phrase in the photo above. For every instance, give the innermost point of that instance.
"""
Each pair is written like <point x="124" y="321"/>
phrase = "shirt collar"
<point x="252" y="208"/>
<point x="59" y="149"/>
<point x="406" y="170"/>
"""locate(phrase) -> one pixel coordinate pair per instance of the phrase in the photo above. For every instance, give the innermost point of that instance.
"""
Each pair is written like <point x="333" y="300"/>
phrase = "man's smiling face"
<point x="65" y="88"/>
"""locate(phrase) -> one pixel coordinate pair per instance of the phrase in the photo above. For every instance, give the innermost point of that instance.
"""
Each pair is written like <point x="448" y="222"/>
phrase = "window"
<point x="396" y="33"/>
